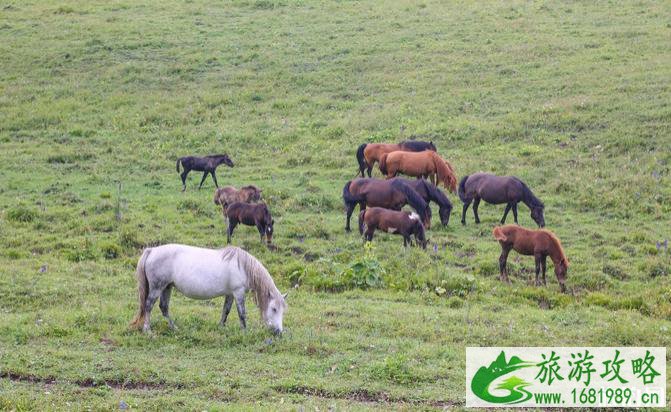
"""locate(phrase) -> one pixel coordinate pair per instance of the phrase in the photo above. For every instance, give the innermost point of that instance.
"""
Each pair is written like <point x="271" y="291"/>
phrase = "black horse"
<point x="430" y="193"/>
<point x="496" y="190"/>
<point x="390" y="194"/>
<point x="207" y="164"/>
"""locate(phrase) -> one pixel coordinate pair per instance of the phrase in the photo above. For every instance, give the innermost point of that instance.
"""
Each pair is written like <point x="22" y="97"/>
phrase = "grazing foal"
<point x="401" y="223"/>
<point x="207" y="164"/>
<point x="539" y="243"/>
<point x="251" y="215"/>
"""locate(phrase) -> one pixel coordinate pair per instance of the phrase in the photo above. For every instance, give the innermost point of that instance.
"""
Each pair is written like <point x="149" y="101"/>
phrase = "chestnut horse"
<point x="402" y="223"/>
<point x="369" y="153"/>
<point x="225" y="196"/>
<point x="540" y="243"/>
<point x="496" y="190"/>
<point x="421" y="164"/>
<point x="390" y="194"/>
<point x="251" y="215"/>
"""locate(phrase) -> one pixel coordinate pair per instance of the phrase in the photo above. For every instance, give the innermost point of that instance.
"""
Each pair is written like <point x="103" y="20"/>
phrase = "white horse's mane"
<point x="258" y="278"/>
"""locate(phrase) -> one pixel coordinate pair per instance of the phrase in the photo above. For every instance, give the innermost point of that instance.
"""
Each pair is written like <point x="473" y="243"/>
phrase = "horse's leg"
<point x="515" y="212"/>
<point x="183" y="176"/>
<point x="369" y="170"/>
<point x="240" y="305"/>
<point x="226" y="310"/>
<point x="153" y="295"/>
<point x="476" y="203"/>
<point x="214" y="177"/>
<point x="203" y="179"/>
<point x="463" y="212"/>
<point x="232" y="223"/>
<point x="502" y="264"/>
<point x="262" y="230"/>
<point x="369" y="233"/>
<point x="538" y="258"/>
<point x="544" y="262"/>
<point x="163" y="304"/>
<point x="350" y="210"/>
<point x="505" y="214"/>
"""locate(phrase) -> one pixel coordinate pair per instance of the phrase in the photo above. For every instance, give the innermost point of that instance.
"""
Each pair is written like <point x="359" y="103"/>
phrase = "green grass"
<point x="98" y="99"/>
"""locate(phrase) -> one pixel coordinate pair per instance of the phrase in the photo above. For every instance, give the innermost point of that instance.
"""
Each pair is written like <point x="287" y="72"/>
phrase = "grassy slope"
<point x="573" y="98"/>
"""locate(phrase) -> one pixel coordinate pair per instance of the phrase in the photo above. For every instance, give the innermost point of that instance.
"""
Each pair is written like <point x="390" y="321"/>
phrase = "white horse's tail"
<point x="142" y="290"/>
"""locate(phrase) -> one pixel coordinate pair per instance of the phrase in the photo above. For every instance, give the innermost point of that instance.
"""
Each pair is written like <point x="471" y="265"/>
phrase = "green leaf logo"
<point x="484" y="377"/>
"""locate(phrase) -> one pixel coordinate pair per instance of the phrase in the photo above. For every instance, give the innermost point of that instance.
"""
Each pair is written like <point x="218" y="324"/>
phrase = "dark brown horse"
<point x="390" y="194"/>
<point x="539" y="243"/>
<point x="251" y="215"/>
<point x="207" y="164"/>
<point x="421" y="164"/>
<point x="497" y="190"/>
<point x="401" y="223"/>
<point x="369" y="153"/>
<point x="430" y="193"/>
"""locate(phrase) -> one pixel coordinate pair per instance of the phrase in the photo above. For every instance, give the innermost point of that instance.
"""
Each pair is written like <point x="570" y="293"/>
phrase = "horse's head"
<point x="269" y="231"/>
<point x="252" y="193"/>
<point x="444" y="213"/>
<point x="561" y="270"/>
<point x="225" y="160"/>
<point x="537" y="215"/>
<point x="420" y="234"/>
<point x="274" y="313"/>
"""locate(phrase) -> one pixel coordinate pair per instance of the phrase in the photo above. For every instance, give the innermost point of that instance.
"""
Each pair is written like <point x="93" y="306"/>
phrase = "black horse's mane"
<point x="436" y="194"/>
<point x="529" y="196"/>
<point x="414" y="199"/>
<point x="416" y="145"/>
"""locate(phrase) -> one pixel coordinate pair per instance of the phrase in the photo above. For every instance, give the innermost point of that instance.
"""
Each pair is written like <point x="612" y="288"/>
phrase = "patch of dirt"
<point x="88" y="383"/>
<point x="363" y="395"/>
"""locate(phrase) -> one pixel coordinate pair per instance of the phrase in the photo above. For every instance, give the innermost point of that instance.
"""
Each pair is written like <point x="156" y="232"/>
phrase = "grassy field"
<point x="98" y="99"/>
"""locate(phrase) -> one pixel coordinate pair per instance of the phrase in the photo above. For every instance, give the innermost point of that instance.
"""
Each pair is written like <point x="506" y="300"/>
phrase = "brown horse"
<point x="405" y="224"/>
<point x="207" y="164"/>
<point x="228" y="195"/>
<point x="421" y="164"/>
<point x="496" y="190"/>
<point x="390" y="194"/>
<point x="251" y="215"/>
<point x="539" y="243"/>
<point x="369" y="153"/>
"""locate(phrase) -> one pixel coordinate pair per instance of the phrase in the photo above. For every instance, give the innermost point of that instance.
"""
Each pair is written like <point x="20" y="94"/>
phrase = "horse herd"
<point x="205" y="273"/>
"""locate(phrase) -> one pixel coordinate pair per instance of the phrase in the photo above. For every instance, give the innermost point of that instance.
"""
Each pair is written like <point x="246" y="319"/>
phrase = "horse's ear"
<point x="285" y="296"/>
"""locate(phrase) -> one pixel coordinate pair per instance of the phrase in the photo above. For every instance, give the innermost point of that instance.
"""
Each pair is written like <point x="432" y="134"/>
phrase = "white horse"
<point x="205" y="274"/>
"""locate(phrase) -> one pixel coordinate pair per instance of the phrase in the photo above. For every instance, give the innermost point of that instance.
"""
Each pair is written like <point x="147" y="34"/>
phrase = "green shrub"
<point x="394" y="368"/>
<point x="21" y="214"/>
<point x="110" y="250"/>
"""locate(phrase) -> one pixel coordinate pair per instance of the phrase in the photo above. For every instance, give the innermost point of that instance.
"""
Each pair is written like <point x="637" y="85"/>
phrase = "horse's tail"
<point x="361" y="158"/>
<point x="362" y="216"/>
<point x="462" y="188"/>
<point x="178" y="162"/>
<point x="416" y="201"/>
<point x="383" y="164"/>
<point x="347" y="196"/>
<point x="216" y="197"/>
<point x="445" y="172"/>
<point x="142" y="289"/>
<point x="499" y="235"/>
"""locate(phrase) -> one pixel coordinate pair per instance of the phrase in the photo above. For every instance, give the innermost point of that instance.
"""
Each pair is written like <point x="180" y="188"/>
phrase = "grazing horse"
<point x="496" y="190"/>
<point x="430" y="193"/>
<point x="205" y="274"/>
<point x="539" y="243"/>
<point x="420" y="164"/>
<point x="369" y="153"/>
<point x="390" y="194"/>
<point x="225" y="196"/>
<point x="251" y="215"/>
<point x="207" y="164"/>
<point x="402" y="223"/>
